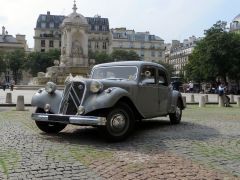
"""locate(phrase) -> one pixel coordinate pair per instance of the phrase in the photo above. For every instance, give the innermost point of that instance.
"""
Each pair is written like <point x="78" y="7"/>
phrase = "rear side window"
<point x="162" y="79"/>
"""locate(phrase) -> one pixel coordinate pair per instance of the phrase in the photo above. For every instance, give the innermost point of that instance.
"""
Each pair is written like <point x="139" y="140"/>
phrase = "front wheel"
<point x="175" y="118"/>
<point x="49" y="127"/>
<point x="120" y="122"/>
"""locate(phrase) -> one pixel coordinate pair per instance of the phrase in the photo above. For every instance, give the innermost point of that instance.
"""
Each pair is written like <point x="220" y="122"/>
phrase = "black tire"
<point x="175" y="118"/>
<point x="49" y="127"/>
<point x="120" y="122"/>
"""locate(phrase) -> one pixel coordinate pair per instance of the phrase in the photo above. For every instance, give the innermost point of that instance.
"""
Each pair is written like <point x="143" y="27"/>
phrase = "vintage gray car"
<point x="116" y="96"/>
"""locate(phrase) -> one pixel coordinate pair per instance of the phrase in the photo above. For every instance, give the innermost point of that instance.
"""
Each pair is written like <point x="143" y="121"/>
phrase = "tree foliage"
<point x="216" y="55"/>
<point x="122" y="55"/>
<point x="15" y="61"/>
<point x="40" y="61"/>
<point x="116" y="55"/>
<point x="3" y="64"/>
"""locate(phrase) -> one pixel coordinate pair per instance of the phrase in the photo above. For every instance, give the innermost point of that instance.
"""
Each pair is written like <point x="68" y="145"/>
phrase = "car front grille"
<point x="72" y="97"/>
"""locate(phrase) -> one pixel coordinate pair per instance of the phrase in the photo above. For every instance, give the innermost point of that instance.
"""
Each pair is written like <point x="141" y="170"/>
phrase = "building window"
<point x="96" y="45"/>
<point x="50" y="43"/>
<point x="160" y="54"/>
<point x="142" y="45"/>
<point x="60" y="43"/>
<point x="51" y="25"/>
<point x="43" y="25"/>
<point x="104" y="45"/>
<point x="153" y="53"/>
<point x="42" y="43"/>
<point x="142" y="54"/>
<point x="42" y="50"/>
<point x="89" y="45"/>
<point x="43" y="18"/>
<point x="97" y="28"/>
<point x="104" y="28"/>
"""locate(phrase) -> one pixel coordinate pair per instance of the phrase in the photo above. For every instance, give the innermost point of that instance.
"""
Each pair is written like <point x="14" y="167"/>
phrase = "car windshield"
<point x="115" y="73"/>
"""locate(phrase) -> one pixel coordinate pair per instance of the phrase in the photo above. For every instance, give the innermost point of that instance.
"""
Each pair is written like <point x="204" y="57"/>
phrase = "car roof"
<point x="129" y="63"/>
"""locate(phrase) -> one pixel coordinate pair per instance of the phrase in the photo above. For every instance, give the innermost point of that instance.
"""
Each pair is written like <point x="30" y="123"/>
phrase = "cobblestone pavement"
<point x="206" y="145"/>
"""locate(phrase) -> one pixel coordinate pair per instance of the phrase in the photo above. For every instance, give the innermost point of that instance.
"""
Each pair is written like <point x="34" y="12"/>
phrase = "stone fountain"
<point x="74" y="51"/>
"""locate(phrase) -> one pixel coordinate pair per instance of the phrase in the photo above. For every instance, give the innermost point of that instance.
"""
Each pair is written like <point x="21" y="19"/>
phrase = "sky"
<point x="168" y="19"/>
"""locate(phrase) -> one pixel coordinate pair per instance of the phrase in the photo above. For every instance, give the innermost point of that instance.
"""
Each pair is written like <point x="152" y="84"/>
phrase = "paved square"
<point x="205" y="146"/>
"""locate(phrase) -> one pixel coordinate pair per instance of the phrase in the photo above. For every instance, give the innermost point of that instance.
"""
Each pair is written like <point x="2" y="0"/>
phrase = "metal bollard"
<point x="202" y="101"/>
<point x="220" y="102"/>
<point x="238" y="101"/>
<point x="20" y="103"/>
<point x="9" y="98"/>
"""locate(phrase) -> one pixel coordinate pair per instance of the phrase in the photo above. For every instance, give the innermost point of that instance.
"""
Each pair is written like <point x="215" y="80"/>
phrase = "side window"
<point x="148" y="75"/>
<point x="162" y="79"/>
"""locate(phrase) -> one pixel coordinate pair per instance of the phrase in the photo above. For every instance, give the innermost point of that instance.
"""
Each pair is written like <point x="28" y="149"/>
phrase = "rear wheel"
<point x="175" y="118"/>
<point x="120" y="122"/>
<point x="49" y="127"/>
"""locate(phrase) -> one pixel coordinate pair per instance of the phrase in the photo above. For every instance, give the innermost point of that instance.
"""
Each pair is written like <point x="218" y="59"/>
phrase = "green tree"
<point x="122" y="55"/>
<point x="15" y="61"/>
<point x="216" y="55"/>
<point x="168" y="66"/>
<point x="3" y="64"/>
<point x="40" y="61"/>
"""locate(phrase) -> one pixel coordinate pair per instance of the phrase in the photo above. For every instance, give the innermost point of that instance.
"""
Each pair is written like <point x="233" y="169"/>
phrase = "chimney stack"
<point x="3" y="31"/>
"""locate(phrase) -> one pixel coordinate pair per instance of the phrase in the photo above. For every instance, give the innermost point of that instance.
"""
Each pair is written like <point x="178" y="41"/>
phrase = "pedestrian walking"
<point x="12" y="84"/>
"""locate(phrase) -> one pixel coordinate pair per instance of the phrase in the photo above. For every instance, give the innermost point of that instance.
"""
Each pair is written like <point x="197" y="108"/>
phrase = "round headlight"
<point x="96" y="86"/>
<point x="50" y="87"/>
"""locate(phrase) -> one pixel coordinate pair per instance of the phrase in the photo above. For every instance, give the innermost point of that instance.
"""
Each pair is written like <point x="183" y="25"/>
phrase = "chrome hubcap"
<point x="178" y="112"/>
<point x="118" y="122"/>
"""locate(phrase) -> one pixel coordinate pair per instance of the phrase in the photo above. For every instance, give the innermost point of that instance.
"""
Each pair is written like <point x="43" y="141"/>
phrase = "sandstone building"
<point x="10" y="43"/>
<point x="149" y="47"/>
<point x="48" y="33"/>
<point x="178" y="53"/>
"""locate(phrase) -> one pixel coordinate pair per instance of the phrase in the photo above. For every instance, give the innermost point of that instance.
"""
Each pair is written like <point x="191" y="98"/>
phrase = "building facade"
<point x="48" y="33"/>
<point x="148" y="47"/>
<point x="178" y="53"/>
<point x="10" y="43"/>
<point x="235" y="24"/>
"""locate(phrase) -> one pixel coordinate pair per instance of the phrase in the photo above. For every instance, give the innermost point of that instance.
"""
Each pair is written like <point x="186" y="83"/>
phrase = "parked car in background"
<point x="116" y="96"/>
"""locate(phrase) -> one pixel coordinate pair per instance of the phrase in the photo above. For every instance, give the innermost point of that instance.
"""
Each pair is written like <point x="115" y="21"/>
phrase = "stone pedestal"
<point x="231" y="98"/>
<point x="221" y="102"/>
<point x="20" y="103"/>
<point x="206" y="98"/>
<point x="192" y="98"/>
<point x="58" y="74"/>
<point x="238" y="101"/>
<point x="202" y="101"/>
<point x="9" y="98"/>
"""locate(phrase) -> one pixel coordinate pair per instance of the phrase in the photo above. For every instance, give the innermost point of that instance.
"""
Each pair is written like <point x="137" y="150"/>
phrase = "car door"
<point x="147" y="96"/>
<point x="163" y="91"/>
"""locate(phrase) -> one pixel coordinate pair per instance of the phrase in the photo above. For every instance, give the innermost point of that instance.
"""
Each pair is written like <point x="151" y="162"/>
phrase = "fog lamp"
<point x="47" y="108"/>
<point x="80" y="110"/>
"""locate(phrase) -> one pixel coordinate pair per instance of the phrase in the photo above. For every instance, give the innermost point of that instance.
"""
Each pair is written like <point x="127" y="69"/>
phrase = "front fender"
<point x="104" y="99"/>
<point x="41" y="98"/>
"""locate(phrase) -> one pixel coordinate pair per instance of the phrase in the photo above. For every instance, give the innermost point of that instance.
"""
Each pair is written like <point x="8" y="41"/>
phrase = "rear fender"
<point x="41" y="98"/>
<point x="176" y="95"/>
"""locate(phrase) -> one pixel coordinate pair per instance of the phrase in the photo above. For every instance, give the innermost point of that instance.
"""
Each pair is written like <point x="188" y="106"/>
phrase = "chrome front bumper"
<point x="70" y="119"/>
